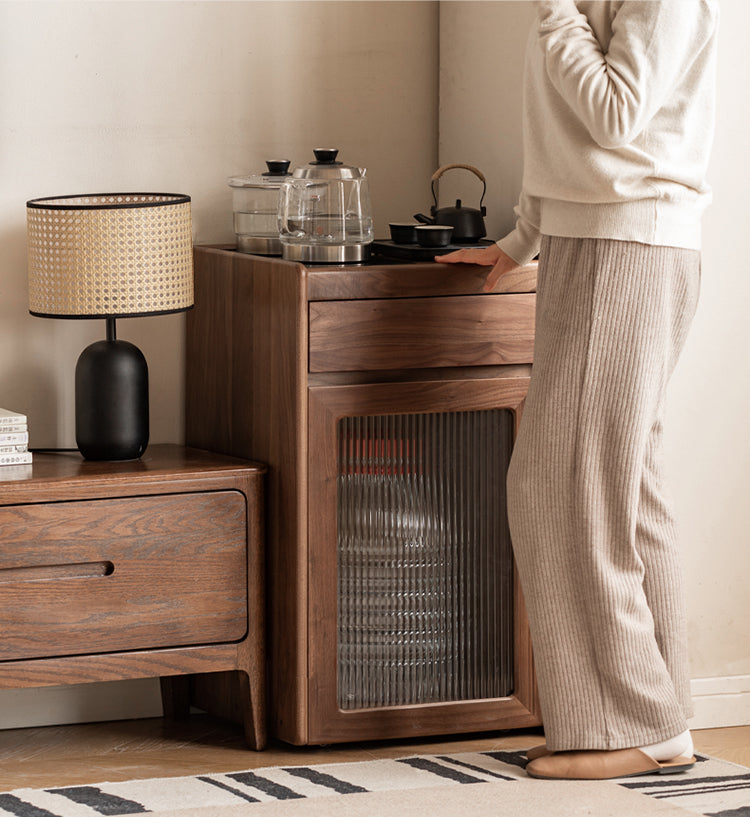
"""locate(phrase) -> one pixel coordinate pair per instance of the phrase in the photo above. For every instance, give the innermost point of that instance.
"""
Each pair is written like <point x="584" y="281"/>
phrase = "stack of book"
<point x="14" y="439"/>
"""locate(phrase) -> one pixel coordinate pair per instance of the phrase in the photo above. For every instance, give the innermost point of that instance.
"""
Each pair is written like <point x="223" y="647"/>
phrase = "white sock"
<point x="679" y="746"/>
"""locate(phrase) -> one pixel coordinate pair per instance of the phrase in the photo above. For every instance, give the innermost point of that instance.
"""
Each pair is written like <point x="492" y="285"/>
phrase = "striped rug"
<point x="422" y="785"/>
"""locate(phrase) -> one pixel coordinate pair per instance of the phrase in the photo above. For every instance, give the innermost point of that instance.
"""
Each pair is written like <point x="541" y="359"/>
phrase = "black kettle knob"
<point x="326" y="156"/>
<point x="277" y="167"/>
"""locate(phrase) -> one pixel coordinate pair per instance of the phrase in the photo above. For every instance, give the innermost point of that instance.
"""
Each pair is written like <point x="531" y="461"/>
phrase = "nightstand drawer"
<point x="413" y="333"/>
<point x="107" y="575"/>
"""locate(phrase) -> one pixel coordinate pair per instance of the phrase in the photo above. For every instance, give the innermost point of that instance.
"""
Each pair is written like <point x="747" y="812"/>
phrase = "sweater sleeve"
<point x="522" y="244"/>
<point x="615" y="92"/>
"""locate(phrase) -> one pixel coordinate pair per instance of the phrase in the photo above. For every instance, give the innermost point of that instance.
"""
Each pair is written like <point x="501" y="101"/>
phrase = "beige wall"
<point x="177" y="96"/>
<point x="481" y="48"/>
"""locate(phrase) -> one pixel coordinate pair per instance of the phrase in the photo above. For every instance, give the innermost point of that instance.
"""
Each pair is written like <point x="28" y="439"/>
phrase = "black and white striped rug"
<point x="713" y="788"/>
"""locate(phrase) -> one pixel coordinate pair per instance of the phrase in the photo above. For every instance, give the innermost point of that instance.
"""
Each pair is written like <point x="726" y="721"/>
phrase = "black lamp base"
<point x="111" y="400"/>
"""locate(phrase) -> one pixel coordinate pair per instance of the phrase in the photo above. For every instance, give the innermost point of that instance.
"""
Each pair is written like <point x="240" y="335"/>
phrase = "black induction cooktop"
<point x="415" y="252"/>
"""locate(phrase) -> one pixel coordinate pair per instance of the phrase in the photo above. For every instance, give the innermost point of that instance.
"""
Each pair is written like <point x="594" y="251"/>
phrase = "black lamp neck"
<point x="111" y="329"/>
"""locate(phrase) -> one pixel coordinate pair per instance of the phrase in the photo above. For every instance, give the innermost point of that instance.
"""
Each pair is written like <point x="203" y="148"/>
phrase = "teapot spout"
<point x="423" y="219"/>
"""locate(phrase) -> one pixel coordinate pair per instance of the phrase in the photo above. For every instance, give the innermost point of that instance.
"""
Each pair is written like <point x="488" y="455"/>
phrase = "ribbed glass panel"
<point x="425" y="578"/>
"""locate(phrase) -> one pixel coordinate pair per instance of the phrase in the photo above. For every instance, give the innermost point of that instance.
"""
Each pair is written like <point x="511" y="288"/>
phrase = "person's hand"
<point x="489" y="256"/>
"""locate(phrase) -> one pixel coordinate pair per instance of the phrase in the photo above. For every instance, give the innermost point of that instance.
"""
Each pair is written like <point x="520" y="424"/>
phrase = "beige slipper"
<point x="602" y="765"/>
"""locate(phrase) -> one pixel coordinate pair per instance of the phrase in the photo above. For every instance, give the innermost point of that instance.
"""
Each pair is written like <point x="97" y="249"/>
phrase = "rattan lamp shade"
<point x="109" y="255"/>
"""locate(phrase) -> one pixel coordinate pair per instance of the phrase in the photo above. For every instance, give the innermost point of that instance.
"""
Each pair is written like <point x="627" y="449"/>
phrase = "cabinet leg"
<point x="237" y="696"/>
<point x="175" y="696"/>
<point x="253" y="709"/>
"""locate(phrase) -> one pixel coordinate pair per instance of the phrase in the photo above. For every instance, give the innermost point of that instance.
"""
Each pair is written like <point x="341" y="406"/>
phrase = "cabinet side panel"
<point x="208" y="355"/>
<point x="270" y="420"/>
<point x="250" y="331"/>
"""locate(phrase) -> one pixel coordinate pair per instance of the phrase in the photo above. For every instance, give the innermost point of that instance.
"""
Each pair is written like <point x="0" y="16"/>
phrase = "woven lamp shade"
<point x="110" y="255"/>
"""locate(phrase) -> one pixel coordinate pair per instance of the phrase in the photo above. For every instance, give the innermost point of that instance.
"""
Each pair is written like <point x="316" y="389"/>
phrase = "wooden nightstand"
<point x="148" y="568"/>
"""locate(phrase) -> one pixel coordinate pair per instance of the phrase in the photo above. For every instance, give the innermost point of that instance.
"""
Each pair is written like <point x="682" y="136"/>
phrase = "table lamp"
<point x="110" y="255"/>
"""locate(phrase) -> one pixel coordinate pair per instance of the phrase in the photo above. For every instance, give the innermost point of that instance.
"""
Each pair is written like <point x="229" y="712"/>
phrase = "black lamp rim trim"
<point x="46" y="202"/>
<point x="115" y="315"/>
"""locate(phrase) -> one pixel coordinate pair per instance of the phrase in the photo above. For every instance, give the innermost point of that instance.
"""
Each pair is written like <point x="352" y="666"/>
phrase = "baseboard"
<point x="80" y="703"/>
<point x="722" y="701"/>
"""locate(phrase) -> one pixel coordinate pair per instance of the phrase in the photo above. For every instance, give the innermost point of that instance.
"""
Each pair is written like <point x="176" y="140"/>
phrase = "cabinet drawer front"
<point x="117" y="574"/>
<point x="407" y="333"/>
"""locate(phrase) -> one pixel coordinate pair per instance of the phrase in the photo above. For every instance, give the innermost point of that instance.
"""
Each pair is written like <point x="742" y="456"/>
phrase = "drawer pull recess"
<point x="45" y="573"/>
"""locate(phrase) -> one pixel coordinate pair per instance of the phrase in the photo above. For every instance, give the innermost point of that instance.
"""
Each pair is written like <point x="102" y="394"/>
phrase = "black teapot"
<point x="467" y="222"/>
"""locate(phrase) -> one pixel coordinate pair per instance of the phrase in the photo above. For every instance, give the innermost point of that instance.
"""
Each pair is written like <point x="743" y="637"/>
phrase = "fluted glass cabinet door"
<point x="425" y="568"/>
<point x="415" y="621"/>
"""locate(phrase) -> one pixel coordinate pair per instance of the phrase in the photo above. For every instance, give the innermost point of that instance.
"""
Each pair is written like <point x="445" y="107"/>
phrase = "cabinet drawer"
<point x="117" y="574"/>
<point x="408" y="333"/>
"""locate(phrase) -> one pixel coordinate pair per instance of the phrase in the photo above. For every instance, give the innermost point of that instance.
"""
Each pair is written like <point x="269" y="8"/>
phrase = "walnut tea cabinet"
<point x="385" y="399"/>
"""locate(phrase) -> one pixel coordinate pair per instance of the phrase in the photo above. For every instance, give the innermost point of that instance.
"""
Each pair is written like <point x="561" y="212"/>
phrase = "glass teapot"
<point x="325" y="215"/>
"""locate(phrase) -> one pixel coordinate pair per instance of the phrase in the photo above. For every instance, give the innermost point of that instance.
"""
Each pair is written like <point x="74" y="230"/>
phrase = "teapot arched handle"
<point x="439" y="172"/>
<point x="478" y="173"/>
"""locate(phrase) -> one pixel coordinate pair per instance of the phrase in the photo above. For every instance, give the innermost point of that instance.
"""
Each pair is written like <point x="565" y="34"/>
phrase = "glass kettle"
<point x="325" y="215"/>
<point x="256" y="204"/>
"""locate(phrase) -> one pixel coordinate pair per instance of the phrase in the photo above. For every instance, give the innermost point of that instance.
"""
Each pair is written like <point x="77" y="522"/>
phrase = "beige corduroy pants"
<point x="592" y="530"/>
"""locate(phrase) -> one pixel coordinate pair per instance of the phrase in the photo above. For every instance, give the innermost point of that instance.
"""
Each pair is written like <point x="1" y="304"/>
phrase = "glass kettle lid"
<point x="278" y="172"/>
<point x="325" y="167"/>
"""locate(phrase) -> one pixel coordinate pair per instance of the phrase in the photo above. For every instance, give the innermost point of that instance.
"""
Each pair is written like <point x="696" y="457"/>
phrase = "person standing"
<point x="618" y="122"/>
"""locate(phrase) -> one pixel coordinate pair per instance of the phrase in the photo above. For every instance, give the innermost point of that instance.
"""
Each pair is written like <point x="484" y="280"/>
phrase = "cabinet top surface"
<point x="386" y="279"/>
<point x="160" y="462"/>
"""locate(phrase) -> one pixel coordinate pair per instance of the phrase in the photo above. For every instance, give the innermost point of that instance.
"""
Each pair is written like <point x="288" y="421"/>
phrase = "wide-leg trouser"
<point x="592" y="530"/>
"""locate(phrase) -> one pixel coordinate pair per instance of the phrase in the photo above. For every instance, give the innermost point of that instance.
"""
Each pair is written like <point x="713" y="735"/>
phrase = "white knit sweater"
<point x="618" y="122"/>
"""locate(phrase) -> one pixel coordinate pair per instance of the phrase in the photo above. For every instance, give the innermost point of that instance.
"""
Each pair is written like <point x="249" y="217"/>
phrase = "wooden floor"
<point x="125" y="750"/>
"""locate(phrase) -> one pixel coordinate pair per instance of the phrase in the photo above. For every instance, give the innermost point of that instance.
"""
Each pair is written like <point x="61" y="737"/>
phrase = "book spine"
<point x="8" y="418"/>
<point x="20" y="458"/>
<point x="14" y="437"/>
